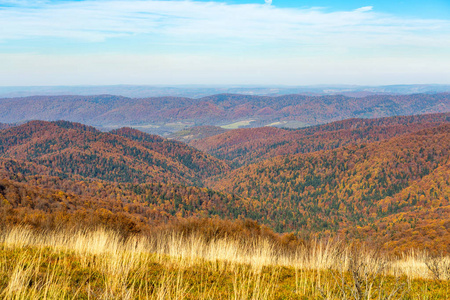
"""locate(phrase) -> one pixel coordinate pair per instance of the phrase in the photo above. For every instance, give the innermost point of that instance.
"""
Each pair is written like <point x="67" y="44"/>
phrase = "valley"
<point x="371" y="180"/>
<point x="357" y="196"/>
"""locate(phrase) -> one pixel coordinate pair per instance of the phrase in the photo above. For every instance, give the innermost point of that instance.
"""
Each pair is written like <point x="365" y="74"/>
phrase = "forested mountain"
<point x="47" y="202"/>
<point x="203" y="164"/>
<point x="356" y="185"/>
<point x="244" y="146"/>
<point x="385" y="181"/>
<point x="169" y="114"/>
<point x="67" y="149"/>
<point x="422" y="218"/>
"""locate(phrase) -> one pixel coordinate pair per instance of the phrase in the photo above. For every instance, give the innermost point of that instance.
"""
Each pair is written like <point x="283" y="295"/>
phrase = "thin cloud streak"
<point x="98" y="21"/>
<point x="183" y="42"/>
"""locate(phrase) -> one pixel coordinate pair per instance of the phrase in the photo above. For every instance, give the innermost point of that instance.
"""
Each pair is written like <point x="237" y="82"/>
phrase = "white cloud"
<point x="365" y="8"/>
<point x="192" y="22"/>
<point x="268" y="2"/>
<point x="212" y="42"/>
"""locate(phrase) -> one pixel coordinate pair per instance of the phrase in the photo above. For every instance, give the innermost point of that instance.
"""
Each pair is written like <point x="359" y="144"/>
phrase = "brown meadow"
<point x="101" y="264"/>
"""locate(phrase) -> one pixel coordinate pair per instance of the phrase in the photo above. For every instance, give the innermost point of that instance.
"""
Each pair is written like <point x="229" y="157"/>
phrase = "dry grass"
<point x="100" y="264"/>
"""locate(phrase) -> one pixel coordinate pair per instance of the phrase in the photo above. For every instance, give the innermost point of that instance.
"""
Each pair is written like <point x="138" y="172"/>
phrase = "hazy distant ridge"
<point x="168" y="114"/>
<point x="199" y="91"/>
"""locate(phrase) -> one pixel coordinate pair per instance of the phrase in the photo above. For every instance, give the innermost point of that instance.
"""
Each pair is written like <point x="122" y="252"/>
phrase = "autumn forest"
<point x="380" y="181"/>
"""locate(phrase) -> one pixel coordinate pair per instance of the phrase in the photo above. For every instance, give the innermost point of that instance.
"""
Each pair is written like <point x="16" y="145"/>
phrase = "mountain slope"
<point x="244" y="146"/>
<point x="338" y="190"/>
<point x="422" y="218"/>
<point x="67" y="149"/>
<point x="385" y="181"/>
<point x="47" y="202"/>
<point x="200" y="162"/>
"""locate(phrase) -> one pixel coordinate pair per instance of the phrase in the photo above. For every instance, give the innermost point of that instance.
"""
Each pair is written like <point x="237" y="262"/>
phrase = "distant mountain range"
<point x="164" y="115"/>
<point x="199" y="91"/>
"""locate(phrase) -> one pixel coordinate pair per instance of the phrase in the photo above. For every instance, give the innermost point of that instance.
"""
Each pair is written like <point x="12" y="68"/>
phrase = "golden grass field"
<point x="100" y="264"/>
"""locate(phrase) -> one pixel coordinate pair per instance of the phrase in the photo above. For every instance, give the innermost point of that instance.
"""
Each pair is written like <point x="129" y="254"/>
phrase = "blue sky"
<point x="224" y="42"/>
<point x="412" y="8"/>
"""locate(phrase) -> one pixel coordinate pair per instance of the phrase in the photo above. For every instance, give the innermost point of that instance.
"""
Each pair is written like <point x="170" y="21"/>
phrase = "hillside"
<point x="249" y="145"/>
<point x="169" y="114"/>
<point x="422" y="215"/>
<point x="384" y="181"/>
<point x="47" y="202"/>
<point x="67" y="149"/>
<point x="354" y="186"/>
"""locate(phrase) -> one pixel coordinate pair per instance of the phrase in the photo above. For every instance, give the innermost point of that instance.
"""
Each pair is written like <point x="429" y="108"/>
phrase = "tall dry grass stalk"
<point x="320" y="255"/>
<point x="124" y="266"/>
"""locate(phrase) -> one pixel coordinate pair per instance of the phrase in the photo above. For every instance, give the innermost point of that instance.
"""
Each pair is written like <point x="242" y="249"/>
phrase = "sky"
<point x="235" y="42"/>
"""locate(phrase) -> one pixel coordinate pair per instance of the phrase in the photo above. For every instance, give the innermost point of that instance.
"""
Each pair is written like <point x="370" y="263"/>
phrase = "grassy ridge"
<point x="102" y="265"/>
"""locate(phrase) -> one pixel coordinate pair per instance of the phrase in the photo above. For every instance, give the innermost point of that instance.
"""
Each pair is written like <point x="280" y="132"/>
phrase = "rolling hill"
<point x="350" y="187"/>
<point x="249" y="145"/>
<point x="383" y="181"/>
<point x="169" y="114"/>
<point x="67" y="149"/>
<point x="49" y="202"/>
